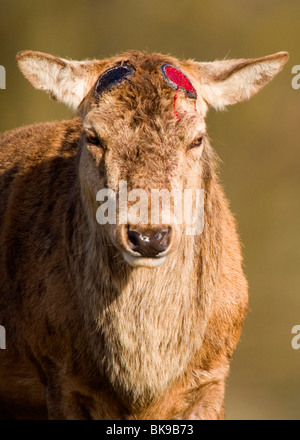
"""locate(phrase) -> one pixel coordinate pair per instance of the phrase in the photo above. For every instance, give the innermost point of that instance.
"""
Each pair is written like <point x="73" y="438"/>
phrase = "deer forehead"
<point x="141" y="100"/>
<point x="117" y="125"/>
<point x="138" y="94"/>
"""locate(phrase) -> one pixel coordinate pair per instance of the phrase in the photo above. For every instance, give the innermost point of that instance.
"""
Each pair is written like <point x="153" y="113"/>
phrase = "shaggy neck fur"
<point x="144" y="325"/>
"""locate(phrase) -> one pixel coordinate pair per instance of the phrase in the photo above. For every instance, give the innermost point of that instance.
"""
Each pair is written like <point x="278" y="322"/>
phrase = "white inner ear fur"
<point x="243" y="78"/>
<point x="67" y="81"/>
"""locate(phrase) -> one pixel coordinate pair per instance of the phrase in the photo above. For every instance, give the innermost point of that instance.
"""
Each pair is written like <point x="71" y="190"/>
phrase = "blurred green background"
<point x="258" y="143"/>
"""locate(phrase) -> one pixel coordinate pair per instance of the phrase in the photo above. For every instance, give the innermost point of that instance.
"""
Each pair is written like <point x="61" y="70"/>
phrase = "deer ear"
<point x="66" y="81"/>
<point x="230" y="81"/>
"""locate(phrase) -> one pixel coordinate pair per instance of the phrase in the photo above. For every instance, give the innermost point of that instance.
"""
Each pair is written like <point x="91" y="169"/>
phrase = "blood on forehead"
<point x="177" y="80"/>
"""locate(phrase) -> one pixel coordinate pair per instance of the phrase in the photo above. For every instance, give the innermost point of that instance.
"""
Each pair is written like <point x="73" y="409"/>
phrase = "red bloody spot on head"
<point x="175" y="99"/>
<point x="177" y="80"/>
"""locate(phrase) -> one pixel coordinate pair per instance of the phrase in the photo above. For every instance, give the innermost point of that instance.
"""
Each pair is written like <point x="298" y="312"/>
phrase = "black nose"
<point x="149" y="244"/>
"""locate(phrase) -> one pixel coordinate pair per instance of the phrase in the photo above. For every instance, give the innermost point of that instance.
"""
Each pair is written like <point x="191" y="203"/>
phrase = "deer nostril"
<point x="134" y="238"/>
<point x="159" y="236"/>
<point x="147" y="245"/>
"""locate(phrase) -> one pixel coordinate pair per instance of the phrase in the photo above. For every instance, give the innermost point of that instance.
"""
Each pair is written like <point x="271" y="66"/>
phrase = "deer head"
<point x="143" y="118"/>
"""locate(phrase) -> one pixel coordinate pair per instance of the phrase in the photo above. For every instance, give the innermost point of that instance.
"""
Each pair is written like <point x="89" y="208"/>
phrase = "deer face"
<point x="144" y="133"/>
<point x="142" y="138"/>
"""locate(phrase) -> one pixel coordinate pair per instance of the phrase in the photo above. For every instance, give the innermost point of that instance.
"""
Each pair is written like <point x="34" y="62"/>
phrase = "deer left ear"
<point x="230" y="81"/>
<point x="66" y="81"/>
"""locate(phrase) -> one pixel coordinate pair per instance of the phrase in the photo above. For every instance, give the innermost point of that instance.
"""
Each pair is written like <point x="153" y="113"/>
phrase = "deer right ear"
<point x="230" y="81"/>
<point x="66" y="81"/>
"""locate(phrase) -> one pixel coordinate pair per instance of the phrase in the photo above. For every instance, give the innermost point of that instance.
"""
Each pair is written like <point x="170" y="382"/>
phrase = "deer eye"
<point x="197" y="143"/>
<point x="93" y="139"/>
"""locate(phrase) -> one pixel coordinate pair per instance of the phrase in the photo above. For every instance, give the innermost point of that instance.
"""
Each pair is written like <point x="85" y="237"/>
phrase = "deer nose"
<point x="149" y="244"/>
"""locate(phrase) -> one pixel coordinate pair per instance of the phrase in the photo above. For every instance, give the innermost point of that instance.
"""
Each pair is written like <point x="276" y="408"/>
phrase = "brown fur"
<point x="88" y="335"/>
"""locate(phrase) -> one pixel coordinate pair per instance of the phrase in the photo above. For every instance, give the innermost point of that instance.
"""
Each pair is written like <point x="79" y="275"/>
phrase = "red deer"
<point x="120" y="321"/>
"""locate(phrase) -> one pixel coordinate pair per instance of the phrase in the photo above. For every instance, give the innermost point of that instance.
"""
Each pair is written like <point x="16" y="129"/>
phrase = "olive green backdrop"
<point x="258" y="143"/>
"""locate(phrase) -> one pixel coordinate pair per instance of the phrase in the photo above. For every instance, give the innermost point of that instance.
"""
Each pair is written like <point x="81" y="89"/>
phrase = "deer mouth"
<point x="139" y="261"/>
